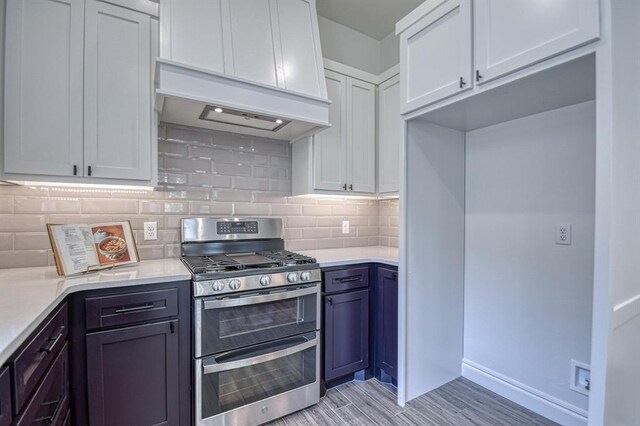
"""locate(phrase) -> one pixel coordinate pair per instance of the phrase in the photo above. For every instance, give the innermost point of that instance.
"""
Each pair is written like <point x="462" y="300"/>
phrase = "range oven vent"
<point x="218" y="114"/>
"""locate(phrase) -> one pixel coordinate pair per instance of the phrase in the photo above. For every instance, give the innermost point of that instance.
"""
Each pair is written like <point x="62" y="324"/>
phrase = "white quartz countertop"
<point x="354" y="255"/>
<point x="28" y="295"/>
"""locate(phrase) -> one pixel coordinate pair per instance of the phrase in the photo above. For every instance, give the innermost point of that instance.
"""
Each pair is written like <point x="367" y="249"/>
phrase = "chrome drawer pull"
<point x="135" y="309"/>
<point x="54" y="415"/>
<point x="350" y="279"/>
<point x="52" y="343"/>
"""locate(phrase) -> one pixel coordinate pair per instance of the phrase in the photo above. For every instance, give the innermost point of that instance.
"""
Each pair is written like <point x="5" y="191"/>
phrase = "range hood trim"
<point x="176" y="80"/>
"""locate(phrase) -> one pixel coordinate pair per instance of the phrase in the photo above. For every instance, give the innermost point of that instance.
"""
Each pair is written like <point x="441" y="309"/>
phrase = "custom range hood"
<point x="202" y="98"/>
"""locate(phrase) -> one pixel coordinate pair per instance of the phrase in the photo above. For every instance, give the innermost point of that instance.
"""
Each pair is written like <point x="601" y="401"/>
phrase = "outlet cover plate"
<point x="150" y="231"/>
<point x="345" y="226"/>
<point x="563" y="234"/>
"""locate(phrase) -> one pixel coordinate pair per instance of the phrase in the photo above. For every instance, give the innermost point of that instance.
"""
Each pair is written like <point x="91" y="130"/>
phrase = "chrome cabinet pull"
<point x="478" y="75"/>
<point x="462" y="82"/>
<point x="135" y="309"/>
<point x="52" y="343"/>
<point x="349" y="279"/>
<point x="344" y="186"/>
<point x="75" y="170"/>
<point x="89" y="170"/>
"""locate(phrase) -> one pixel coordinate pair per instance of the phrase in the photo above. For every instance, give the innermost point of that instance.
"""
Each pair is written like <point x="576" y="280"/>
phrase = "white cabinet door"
<point x="43" y="87"/>
<point x="117" y="92"/>
<point x="251" y="41"/>
<point x="389" y="134"/>
<point x="435" y="55"/>
<point x="510" y="35"/>
<point x="361" y="143"/>
<point x="330" y="145"/>
<point x="300" y="67"/>
<point x="193" y="32"/>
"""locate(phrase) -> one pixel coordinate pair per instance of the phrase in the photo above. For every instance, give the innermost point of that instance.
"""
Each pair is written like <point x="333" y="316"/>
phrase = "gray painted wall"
<point x="389" y="51"/>
<point x="528" y="301"/>
<point x="349" y="47"/>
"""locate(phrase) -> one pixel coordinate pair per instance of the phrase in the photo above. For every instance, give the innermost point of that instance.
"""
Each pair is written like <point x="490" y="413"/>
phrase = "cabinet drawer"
<point x="5" y="398"/>
<point x="129" y="308"/>
<point x="346" y="279"/>
<point x="33" y="361"/>
<point x="50" y="402"/>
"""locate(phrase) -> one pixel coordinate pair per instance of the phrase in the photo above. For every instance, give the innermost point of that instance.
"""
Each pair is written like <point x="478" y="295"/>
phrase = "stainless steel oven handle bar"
<point x="263" y="298"/>
<point x="214" y="367"/>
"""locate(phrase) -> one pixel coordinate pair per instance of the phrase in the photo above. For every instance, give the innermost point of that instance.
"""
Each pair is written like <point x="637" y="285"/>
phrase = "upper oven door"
<point x="230" y="322"/>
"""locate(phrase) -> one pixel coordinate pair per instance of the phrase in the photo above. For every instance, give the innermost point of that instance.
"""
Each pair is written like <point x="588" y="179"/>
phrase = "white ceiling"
<point x="375" y="18"/>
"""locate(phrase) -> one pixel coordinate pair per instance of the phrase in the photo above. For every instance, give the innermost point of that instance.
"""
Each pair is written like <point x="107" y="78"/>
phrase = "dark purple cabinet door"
<point x="386" y="319"/>
<point x="346" y="328"/>
<point x="5" y="397"/>
<point x="133" y="375"/>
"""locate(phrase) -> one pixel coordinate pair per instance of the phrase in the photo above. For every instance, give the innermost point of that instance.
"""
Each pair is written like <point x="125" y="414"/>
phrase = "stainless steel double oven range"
<point x="256" y="311"/>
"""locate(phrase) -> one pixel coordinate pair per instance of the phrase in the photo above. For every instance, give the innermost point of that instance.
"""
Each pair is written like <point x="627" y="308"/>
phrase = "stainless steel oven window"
<point x="226" y="323"/>
<point x="245" y="376"/>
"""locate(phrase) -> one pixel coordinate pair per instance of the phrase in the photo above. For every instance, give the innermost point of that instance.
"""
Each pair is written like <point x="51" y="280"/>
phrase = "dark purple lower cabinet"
<point x="5" y="397"/>
<point x="346" y="333"/>
<point x="132" y="375"/>
<point x="386" y="321"/>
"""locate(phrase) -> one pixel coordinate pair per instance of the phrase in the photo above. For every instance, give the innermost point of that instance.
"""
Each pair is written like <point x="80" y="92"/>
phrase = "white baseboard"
<point x="536" y="401"/>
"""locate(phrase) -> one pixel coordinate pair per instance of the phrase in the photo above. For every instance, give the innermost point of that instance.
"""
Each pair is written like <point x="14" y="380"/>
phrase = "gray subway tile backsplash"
<point x="201" y="172"/>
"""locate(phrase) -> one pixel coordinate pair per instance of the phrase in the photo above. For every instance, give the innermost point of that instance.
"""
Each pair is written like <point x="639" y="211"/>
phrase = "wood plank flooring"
<point x="459" y="402"/>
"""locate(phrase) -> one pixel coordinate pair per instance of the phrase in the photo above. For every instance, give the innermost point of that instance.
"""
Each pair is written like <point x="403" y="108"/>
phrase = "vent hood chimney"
<point x="257" y="72"/>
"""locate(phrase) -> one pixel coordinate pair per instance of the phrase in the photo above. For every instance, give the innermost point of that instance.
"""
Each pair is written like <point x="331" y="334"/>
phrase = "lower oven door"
<point x="255" y="385"/>
<point x="225" y="323"/>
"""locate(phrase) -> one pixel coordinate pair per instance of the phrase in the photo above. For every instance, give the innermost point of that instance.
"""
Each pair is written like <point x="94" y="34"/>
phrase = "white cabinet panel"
<point x="361" y="145"/>
<point x="252" y="41"/>
<point x="330" y="145"/>
<point x="117" y="92"/>
<point x="192" y="33"/>
<point x="510" y="35"/>
<point x="435" y="55"/>
<point x="298" y="30"/>
<point x="43" y="87"/>
<point x="389" y="134"/>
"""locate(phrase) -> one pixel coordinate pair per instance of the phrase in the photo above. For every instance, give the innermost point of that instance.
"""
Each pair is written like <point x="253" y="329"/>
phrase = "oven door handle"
<point x="262" y="298"/>
<point x="209" y="367"/>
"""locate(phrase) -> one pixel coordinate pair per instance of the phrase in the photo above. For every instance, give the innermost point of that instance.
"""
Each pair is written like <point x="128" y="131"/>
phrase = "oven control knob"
<point x="305" y="276"/>
<point x="265" y="280"/>
<point x="235" y="284"/>
<point x="218" y="285"/>
<point x="292" y="277"/>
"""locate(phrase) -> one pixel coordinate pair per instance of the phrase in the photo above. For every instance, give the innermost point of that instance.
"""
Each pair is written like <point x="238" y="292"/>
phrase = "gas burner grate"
<point x="219" y="263"/>
<point x="288" y="258"/>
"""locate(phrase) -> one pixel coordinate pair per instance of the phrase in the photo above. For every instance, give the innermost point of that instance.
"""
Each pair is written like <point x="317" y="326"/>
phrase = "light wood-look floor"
<point x="459" y="402"/>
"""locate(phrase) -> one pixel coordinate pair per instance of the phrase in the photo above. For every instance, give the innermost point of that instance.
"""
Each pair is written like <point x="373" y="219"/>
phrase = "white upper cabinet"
<point x="271" y="42"/>
<point x="78" y="92"/>
<point x="330" y="145"/>
<point x="510" y="35"/>
<point x="389" y="136"/>
<point x="43" y="87"/>
<point x="117" y="100"/>
<point x="361" y="146"/>
<point x="192" y="32"/>
<point x="252" y="52"/>
<point x="341" y="159"/>
<point x="435" y="55"/>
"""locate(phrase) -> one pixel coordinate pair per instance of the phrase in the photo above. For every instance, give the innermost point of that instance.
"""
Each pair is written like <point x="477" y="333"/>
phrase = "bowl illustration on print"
<point x="113" y="247"/>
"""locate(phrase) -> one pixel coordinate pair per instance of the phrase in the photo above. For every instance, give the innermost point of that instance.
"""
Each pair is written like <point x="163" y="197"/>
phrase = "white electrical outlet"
<point x="580" y="380"/>
<point x="345" y="226"/>
<point x="563" y="234"/>
<point x="150" y="231"/>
